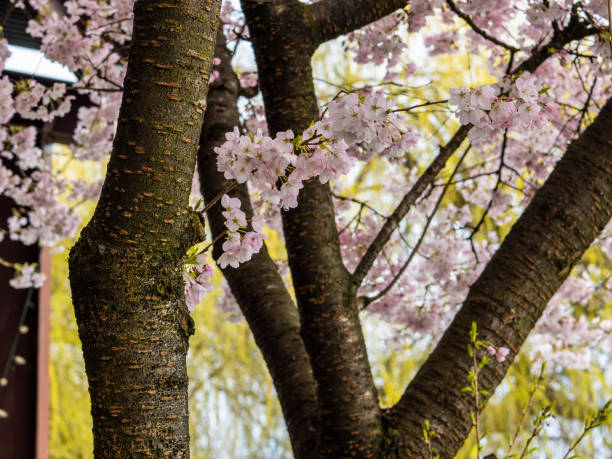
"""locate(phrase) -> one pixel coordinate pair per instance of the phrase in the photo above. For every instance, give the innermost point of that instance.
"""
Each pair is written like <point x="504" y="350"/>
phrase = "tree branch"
<point x="333" y="18"/>
<point x="574" y="31"/>
<point x="126" y="281"/>
<point x="350" y="423"/>
<point x="477" y="29"/>
<point x="367" y="300"/>
<point x="564" y="218"/>
<point x="404" y="206"/>
<point x="257" y="285"/>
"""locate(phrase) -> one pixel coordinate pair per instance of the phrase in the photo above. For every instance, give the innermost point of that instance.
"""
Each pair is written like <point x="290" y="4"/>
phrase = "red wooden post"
<point x="42" y="387"/>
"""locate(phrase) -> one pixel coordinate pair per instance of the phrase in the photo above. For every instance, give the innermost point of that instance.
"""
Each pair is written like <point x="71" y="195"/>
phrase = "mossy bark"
<point x="125" y="270"/>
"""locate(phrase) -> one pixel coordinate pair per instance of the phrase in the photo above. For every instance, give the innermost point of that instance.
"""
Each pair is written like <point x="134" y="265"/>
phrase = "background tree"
<point x="128" y="261"/>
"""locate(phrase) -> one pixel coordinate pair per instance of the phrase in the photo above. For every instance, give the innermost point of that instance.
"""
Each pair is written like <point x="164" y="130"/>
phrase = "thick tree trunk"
<point x="125" y="270"/>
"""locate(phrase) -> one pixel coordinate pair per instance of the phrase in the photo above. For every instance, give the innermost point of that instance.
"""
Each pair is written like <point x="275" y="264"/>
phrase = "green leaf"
<point x="483" y="362"/>
<point x="544" y="90"/>
<point x="473" y="332"/>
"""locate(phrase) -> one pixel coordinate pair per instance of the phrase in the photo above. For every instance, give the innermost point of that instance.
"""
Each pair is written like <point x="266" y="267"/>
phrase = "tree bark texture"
<point x="349" y="423"/>
<point x="333" y="18"/>
<point x="257" y="284"/>
<point x="125" y="270"/>
<point x="284" y="35"/>
<point x="562" y="221"/>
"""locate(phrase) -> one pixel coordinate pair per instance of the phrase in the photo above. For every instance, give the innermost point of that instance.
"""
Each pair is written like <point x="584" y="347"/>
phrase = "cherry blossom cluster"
<point x="197" y="278"/>
<point x="44" y="218"/>
<point x="26" y="276"/>
<point x="368" y="125"/>
<point x="355" y="127"/>
<point x="239" y="248"/>
<point x="20" y="145"/>
<point x="248" y="79"/>
<point x="65" y="39"/>
<point x="565" y="338"/>
<point x="491" y="114"/>
<point x="380" y="43"/>
<point x="500" y="353"/>
<point x="234" y="23"/>
<point x="7" y="109"/>
<point x="254" y="117"/>
<point x="46" y="202"/>
<point x="93" y="135"/>
<point x="424" y="298"/>
<point x="35" y="101"/>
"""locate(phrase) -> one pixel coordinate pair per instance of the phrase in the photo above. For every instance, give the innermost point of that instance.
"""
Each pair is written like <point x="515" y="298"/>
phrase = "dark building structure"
<point x="24" y="314"/>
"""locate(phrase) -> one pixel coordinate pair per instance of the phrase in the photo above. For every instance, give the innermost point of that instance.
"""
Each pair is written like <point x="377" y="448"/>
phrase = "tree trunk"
<point x="125" y="270"/>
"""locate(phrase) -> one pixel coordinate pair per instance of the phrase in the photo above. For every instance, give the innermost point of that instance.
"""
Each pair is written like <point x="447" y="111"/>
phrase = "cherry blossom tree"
<point x="476" y="223"/>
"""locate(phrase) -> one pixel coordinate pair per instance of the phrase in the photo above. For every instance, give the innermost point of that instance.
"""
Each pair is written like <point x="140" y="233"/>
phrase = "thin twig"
<point x="537" y="428"/>
<point x="585" y="109"/>
<point x="497" y="185"/>
<point x="357" y="201"/>
<point x="383" y="292"/>
<point x="219" y="196"/>
<point x="525" y="410"/>
<point x="600" y="417"/>
<point x="407" y="109"/>
<point x="407" y="202"/>
<point x="477" y="29"/>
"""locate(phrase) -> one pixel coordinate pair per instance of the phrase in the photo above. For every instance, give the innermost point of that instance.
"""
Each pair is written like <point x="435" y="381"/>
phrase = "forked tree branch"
<point x="367" y="300"/>
<point x="478" y="30"/>
<point x="350" y="418"/>
<point x="574" y="31"/>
